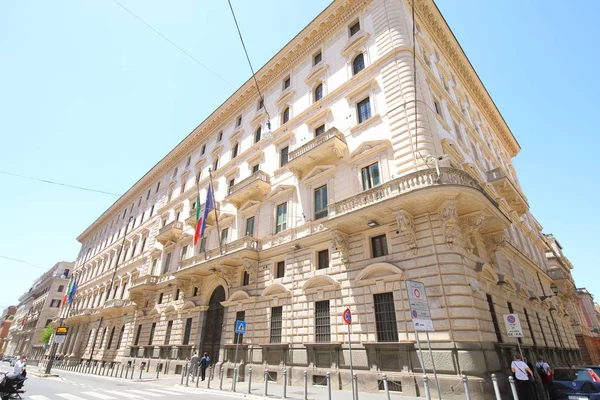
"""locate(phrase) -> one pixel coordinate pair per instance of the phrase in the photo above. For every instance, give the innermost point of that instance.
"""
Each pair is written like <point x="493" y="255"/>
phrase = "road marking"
<point x="145" y="393"/>
<point x="38" y="397"/>
<point x="167" y="392"/>
<point x="68" y="396"/>
<point x="128" y="395"/>
<point x="99" y="395"/>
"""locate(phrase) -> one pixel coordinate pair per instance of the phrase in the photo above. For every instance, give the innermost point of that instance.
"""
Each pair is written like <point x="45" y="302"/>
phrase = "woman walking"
<point x="522" y="373"/>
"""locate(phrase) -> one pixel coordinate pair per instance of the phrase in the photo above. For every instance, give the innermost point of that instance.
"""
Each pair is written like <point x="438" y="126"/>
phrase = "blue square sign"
<point x="240" y="327"/>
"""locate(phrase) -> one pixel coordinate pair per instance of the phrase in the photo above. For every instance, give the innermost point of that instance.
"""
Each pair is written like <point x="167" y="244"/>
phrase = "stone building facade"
<point x="6" y="320"/>
<point x="368" y="178"/>
<point x="37" y="309"/>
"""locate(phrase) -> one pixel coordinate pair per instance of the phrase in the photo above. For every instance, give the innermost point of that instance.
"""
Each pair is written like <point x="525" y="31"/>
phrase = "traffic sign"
<point x="240" y="327"/>
<point x="513" y="325"/>
<point x="419" y="306"/>
<point x="347" y="316"/>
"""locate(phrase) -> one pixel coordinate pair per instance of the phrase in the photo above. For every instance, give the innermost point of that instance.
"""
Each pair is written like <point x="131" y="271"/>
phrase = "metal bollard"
<point x="234" y="378"/>
<point x="221" y="379"/>
<point x="426" y="386"/>
<point x="183" y="373"/>
<point x="329" y="385"/>
<point x="141" y="370"/>
<point x="513" y="387"/>
<point x="250" y="380"/>
<point x="386" y="387"/>
<point x="496" y="388"/>
<point x="466" y="384"/>
<point x="126" y="371"/>
<point x="284" y="384"/>
<point x="266" y="381"/>
<point x="187" y="373"/>
<point x="305" y="376"/>
<point x="157" y="372"/>
<point x="197" y="376"/>
<point x="210" y="372"/>
<point x="355" y="380"/>
<point x="132" y="370"/>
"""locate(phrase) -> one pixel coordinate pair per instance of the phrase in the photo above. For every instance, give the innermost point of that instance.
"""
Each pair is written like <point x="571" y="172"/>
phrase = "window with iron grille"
<point x="322" y="322"/>
<point x="168" y="332"/>
<point x="494" y="317"/>
<point x="187" y="331"/>
<point x="137" y="335"/>
<point x="379" y="246"/>
<point x="121" y="332"/>
<point x="239" y="337"/>
<point x="542" y="329"/>
<point x="152" y="330"/>
<point x="102" y="337"/>
<point x="246" y="278"/>
<point x="280" y="269"/>
<point x="323" y="259"/>
<point x="276" y="322"/>
<point x="110" y="338"/>
<point x="385" y="317"/>
<point x="321" y="202"/>
<point x="529" y="326"/>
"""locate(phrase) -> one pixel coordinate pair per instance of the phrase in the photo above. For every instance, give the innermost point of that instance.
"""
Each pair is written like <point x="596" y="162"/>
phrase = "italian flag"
<point x="64" y="300"/>
<point x="198" y="220"/>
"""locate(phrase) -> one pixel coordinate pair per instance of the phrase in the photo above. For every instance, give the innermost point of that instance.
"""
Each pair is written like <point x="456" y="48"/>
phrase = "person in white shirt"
<point x="522" y="373"/>
<point x="20" y="366"/>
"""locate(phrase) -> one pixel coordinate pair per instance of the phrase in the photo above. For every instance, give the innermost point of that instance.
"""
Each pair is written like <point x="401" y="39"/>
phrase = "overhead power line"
<point x="175" y="44"/>
<point x="58" y="183"/>
<point x="22" y="261"/>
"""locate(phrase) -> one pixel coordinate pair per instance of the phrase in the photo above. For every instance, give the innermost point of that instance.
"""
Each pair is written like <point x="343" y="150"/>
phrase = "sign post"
<point x="422" y="322"/>
<point x="240" y="329"/>
<point x="513" y="329"/>
<point x="347" y="317"/>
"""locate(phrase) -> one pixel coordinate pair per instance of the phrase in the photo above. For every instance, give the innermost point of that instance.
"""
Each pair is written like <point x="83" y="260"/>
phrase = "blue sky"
<point x="92" y="97"/>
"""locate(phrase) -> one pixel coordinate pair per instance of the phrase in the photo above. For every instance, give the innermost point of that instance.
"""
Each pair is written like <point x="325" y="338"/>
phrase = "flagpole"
<point x="212" y="188"/>
<point x="110" y="287"/>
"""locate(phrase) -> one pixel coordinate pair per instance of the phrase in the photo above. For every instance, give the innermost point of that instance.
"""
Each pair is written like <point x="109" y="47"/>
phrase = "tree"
<point x="47" y="334"/>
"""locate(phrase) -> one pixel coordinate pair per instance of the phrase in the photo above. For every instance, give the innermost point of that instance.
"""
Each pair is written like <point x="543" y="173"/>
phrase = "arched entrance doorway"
<point x="213" y="325"/>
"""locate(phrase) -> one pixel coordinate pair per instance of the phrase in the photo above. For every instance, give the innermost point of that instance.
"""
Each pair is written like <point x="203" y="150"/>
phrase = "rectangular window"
<point x="255" y="168"/>
<point x="437" y="106"/>
<point x="137" y="335"/>
<point x="184" y="252"/>
<point x="220" y="136"/>
<point x="203" y="151"/>
<point x="541" y="329"/>
<point x="250" y="226"/>
<point x="236" y="149"/>
<point x="231" y="184"/>
<point x="188" y="161"/>
<point x="281" y="223"/>
<point x="157" y="186"/>
<point x="286" y="83"/>
<point x="168" y="332"/>
<point x="317" y="58"/>
<point x="284" y="156"/>
<point x="177" y="294"/>
<point x="385" y="317"/>
<point x="187" y="331"/>
<point x="239" y="316"/>
<point x="323" y="259"/>
<point x="379" y="246"/>
<point x="457" y="131"/>
<point x="322" y="322"/>
<point x="245" y="278"/>
<point x="321" y="202"/>
<point x="261" y="104"/>
<point x="354" y="28"/>
<point x="167" y="262"/>
<point x="238" y="123"/>
<point x="320" y="130"/>
<point x="152" y="330"/>
<point x="195" y="293"/>
<point x="280" y="269"/>
<point x="370" y="176"/>
<point x="160" y="298"/>
<point x="202" y="245"/>
<point x="276" y="323"/>
<point x="224" y="234"/>
<point x="494" y="317"/>
<point x="529" y="326"/>
<point x="364" y="110"/>
<point x="148" y="195"/>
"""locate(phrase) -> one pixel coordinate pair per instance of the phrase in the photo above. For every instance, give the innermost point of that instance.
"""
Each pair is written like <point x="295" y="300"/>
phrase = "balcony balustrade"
<point x="327" y="148"/>
<point x="507" y="189"/>
<point x="171" y="232"/>
<point x="245" y="243"/>
<point x="143" y="282"/>
<point x="254" y="187"/>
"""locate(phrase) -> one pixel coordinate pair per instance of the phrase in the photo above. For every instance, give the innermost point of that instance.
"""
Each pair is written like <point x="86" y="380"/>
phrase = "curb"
<point x="39" y="375"/>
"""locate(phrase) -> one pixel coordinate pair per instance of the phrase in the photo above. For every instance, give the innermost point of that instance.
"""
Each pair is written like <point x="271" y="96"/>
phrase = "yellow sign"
<point x="62" y="330"/>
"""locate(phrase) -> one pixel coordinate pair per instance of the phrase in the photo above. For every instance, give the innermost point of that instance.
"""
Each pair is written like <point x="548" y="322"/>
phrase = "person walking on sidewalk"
<point x="193" y="366"/>
<point x="522" y="373"/>
<point x="545" y="372"/>
<point x="204" y="363"/>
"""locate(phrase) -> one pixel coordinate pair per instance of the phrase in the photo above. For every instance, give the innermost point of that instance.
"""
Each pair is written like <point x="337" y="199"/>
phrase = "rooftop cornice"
<point x="323" y="26"/>
<point x="430" y="18"/>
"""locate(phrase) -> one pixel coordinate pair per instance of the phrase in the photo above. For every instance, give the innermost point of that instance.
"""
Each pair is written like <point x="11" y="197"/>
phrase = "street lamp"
<point x="554" y="289"/>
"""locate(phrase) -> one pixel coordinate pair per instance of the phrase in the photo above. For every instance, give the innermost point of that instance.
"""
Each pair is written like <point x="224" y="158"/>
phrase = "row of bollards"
<point x="103" y="369"/>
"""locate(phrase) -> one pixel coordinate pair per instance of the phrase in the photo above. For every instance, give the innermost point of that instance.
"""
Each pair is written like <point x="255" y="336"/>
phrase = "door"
<point x="213" y="325"/>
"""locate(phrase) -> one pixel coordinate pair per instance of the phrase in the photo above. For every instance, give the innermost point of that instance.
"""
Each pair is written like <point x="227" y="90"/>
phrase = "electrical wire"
<point x="22" y="261"/>
<point x="58" y="183"/>
<point x="174" y="44"/>
<point x="247" y="58"/>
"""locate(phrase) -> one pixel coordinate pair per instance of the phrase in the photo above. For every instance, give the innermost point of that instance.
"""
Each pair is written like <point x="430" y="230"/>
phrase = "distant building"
<point x="37" y="308"/>
<point x="6" y="319"/>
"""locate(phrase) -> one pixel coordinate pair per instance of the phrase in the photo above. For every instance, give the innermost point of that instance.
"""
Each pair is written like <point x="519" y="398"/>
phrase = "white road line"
<point x="128" y="395"/>
<point x="99" y="395"/>
<point x="38" y="397"/>
<point x="144" y="393"/>
<point x="167" y="392"/>
<point x="68" y="396"/>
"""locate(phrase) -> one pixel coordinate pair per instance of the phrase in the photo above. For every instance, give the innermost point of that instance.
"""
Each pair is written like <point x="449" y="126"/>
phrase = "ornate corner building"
<point x="373" y="174"/>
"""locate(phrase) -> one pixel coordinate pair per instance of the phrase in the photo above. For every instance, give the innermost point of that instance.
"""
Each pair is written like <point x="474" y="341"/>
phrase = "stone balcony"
<point x="116" y="306"/>
<point x="191" y="219"/>
<point x="254" y="187"/>
<point x="507" y="189"/>
<point x="80" y="315"/>
<point x="171" y="232"/>
<point x="326" y="149"/>
<point x="142" y="283"/>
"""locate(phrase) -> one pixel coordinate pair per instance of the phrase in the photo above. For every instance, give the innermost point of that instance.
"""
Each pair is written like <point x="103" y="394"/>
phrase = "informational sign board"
<point x="347" y="316"/>
<point x="61" y="334"/>
<point x="513" y="325"/>
<point x="240" y="327"/>
<point x="419" y="306"/>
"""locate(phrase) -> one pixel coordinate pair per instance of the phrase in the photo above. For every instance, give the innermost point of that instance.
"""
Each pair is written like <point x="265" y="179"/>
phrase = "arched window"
<point x="120" y="337"/>
<point x="358" y="64"/>
<point x="318" y="94"/>
<point x="286" y="115"/>
<point x="110" y="338"/>
<point x="257" y="135"/>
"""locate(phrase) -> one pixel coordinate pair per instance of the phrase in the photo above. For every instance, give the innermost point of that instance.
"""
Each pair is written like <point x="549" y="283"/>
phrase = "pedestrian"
<point x="545" y="372"/>
<point x="522" y="373"/>
<point x="204" y="363"/>
<point x="20" y="365"/>
<point x="193" y="365"/>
